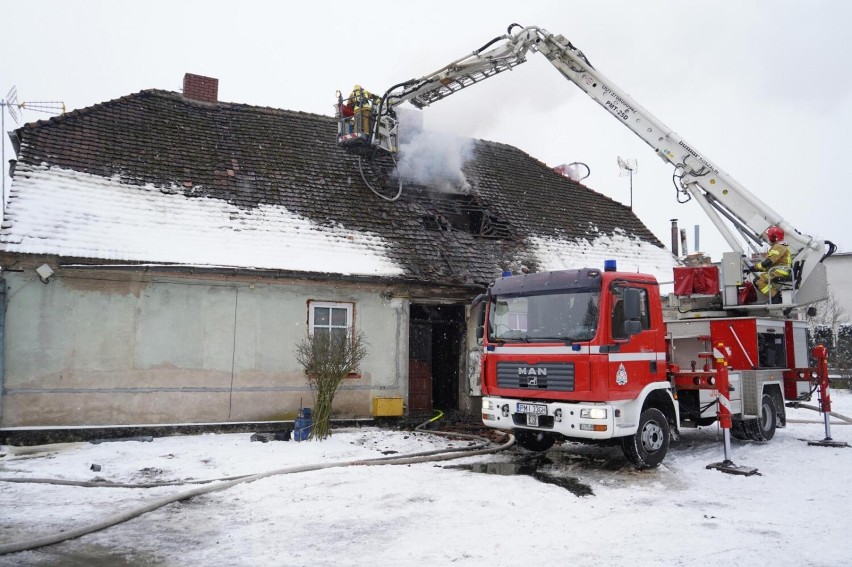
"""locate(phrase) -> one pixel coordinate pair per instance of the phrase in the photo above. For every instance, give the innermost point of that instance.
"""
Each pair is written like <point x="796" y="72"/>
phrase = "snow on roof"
<point x="630" y="253"/>
<point x="74" y="214"/>
<point x="166" y="180"/>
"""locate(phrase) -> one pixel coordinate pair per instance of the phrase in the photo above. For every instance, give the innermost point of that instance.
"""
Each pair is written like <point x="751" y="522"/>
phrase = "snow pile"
<point x="73" y="214"/>
<point x="795" y="514"/>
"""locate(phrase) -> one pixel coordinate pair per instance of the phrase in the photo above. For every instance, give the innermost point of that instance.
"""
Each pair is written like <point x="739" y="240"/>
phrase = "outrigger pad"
<point x="828" y="443"/>
<point x="730" y="468"/>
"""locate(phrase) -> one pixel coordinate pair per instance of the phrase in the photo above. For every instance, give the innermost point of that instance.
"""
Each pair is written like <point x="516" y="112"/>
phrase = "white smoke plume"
<point x="431" y="158"/>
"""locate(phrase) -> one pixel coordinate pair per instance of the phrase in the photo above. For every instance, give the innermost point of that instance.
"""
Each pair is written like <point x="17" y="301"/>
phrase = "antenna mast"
<point x="628" y="167"/>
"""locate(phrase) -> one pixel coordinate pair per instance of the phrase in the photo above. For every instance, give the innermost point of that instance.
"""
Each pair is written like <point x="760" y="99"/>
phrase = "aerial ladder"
<point x="730" y="206"/>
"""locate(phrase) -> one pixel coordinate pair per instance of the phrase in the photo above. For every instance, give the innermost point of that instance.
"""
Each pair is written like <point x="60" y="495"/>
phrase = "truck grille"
<point x="552" y="376"/>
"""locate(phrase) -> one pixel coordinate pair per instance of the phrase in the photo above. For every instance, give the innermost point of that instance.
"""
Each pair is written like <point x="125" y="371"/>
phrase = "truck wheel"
<point x="738" y="430"/>
<point x="534" y="440"/>
<point x="763" y="428"/>
<point x="648" y="446"/>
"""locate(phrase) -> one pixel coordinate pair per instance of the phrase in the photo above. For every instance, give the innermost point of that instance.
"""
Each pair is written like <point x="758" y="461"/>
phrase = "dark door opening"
<point x="435" y="347"/>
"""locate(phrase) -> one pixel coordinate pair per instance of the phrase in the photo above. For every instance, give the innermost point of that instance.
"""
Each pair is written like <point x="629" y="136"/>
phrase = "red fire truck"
<point x="589" y="355"/>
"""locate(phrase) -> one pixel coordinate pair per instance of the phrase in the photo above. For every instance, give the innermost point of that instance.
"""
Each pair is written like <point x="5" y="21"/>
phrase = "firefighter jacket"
<point x="360" y="97"/>
<point x="777" y="257"/>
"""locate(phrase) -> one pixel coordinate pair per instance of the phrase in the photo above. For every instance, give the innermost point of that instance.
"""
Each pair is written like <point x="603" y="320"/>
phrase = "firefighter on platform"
<point x="777" y="266"/>
<point x="361" y="102"/>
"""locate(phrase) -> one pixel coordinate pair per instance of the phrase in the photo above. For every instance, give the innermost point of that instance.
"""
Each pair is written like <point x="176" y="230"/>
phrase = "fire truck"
<point x="590" y="355"/>
<point x="599" y="355"/>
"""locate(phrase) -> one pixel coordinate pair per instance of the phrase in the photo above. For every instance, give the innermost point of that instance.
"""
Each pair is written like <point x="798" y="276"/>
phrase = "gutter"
<point x="275" y="274"/>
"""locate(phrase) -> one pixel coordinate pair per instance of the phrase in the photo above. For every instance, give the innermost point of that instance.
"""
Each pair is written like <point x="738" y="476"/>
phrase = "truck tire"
<point x="738" y="430"/>
<point x="648" y="446"/>
<point x="763" y="428"/>
<point x="534" y="440"/>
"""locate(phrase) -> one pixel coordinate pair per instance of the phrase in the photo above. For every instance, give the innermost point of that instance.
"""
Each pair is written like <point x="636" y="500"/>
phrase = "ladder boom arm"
<point x="487" y="61"/>
<point x="720" y="195"/>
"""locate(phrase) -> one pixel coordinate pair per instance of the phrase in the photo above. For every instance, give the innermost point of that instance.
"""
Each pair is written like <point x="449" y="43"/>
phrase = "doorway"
<point x="436" y="333"/>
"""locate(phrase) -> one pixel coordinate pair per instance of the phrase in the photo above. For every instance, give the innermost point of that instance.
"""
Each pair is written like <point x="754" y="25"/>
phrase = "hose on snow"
<point x="817" y="409"/>
<point x="413" y="458"/>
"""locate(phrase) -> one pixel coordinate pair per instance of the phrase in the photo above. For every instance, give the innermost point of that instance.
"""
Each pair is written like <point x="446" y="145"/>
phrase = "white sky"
<point x="762" y="88"/>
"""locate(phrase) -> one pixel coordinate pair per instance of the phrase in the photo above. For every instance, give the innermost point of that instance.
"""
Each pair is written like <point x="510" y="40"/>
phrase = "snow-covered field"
<point x="796" y="513"/>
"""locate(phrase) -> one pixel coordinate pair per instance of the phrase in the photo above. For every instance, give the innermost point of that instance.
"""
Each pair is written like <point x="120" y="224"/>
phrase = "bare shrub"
<point x="327" y="358"/>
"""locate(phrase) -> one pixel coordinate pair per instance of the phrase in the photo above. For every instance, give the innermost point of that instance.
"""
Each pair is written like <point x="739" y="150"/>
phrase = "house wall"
<point x="112" y="348"/>
<point x="839" y="268"/>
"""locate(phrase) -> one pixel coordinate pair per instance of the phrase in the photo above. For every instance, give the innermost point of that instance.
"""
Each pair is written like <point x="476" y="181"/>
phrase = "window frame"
<point x="349" y="306"/>
<point x="617" y="295"/>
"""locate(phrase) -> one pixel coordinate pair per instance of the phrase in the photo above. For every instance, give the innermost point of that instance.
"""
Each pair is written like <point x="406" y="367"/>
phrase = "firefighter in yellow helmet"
<point x="361" y="101"/>
<point x="777" y="266"/>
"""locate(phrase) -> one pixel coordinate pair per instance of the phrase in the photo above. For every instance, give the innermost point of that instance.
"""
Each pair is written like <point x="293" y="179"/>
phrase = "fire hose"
<point x="797" y="405"/>
<point x="224" y="483"/>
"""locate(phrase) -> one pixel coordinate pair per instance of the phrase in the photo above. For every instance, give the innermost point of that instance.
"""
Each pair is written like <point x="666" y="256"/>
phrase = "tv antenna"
<point x="11" y="105"/>
<point x="628" y="167"/>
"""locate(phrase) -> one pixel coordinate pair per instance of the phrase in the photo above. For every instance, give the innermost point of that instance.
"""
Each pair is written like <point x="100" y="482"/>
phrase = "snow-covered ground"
<point x="796" y="513"/>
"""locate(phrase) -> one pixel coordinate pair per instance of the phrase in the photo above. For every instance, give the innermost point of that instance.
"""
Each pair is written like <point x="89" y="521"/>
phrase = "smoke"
<point x="434" y="159"/>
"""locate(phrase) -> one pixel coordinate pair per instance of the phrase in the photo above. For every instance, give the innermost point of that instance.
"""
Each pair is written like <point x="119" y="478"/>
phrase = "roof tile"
<point x="256" y="159"/>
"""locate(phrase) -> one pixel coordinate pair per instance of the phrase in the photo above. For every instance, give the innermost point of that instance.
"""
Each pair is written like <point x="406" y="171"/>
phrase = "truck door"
<point x="636" y="360"/>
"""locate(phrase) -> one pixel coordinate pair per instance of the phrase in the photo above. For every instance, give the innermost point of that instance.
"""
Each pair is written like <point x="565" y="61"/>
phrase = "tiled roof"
<point x="252" y="160"/>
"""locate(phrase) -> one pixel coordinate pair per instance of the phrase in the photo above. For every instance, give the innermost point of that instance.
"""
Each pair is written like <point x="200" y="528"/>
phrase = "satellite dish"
<point x="573" y="170"/>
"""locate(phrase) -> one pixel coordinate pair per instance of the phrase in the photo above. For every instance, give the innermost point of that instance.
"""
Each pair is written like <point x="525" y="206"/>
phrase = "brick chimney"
<point x="204" y="89"/>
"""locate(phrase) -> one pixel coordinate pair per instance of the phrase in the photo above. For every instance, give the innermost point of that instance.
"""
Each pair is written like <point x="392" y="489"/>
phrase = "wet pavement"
<point x="553" y="467"/>
<point x="533" y="467"/>
<point x="81" y="556"/>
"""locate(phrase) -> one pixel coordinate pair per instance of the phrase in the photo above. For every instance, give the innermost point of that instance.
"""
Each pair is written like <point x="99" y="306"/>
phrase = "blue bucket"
<point x="303" y="424"/>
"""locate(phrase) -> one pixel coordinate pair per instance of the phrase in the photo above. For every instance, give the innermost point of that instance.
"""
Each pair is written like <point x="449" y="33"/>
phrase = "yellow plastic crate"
<point x="387" y="407"/>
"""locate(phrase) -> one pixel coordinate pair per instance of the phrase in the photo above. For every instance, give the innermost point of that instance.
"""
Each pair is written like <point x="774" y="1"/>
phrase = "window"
<point x="570" y="315"/>
<point x="618" y="311"/>
<point x="333" y="318"/>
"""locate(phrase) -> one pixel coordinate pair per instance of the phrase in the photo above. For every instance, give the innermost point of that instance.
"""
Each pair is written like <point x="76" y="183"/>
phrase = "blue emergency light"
<point x="610" y="266"/>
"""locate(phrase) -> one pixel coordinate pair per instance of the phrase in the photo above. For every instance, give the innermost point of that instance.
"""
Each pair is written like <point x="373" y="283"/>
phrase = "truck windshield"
<point x="569" y="316"/>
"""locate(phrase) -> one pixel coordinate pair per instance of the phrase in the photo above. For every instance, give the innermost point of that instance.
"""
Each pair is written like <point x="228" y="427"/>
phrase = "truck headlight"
<point x="487" y="405"/>
<point x="593" y="413"/>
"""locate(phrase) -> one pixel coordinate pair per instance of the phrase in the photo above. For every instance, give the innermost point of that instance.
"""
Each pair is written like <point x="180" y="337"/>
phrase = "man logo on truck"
<point x="529" y="371"/>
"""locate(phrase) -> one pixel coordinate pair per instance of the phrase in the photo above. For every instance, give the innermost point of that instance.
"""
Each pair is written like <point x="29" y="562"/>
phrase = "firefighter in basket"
<point x="360" y="102"/>
<point x="775" y="267"/>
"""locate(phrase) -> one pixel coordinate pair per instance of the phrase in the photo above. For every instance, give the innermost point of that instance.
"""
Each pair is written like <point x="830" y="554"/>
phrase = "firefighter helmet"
<point x="774" y="234"/>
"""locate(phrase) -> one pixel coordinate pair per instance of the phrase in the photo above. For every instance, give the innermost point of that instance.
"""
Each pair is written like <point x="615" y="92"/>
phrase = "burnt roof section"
<point x="249" y="155"/>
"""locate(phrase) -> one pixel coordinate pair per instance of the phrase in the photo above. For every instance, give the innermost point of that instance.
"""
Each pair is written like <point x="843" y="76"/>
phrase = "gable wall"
<point x="104" y="349"/>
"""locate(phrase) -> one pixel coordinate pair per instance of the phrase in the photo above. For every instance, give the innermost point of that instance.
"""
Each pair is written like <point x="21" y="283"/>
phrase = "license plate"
<point x="536" y="409"/>
<point x="532" y="419"/>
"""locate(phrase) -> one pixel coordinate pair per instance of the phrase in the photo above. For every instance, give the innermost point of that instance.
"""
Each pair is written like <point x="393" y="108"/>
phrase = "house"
<point x="162" y="254"/>
<point x="839" y="267"/>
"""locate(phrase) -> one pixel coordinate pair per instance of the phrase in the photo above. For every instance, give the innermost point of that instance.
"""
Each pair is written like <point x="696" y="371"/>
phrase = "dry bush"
<point x="327" y="358"/>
